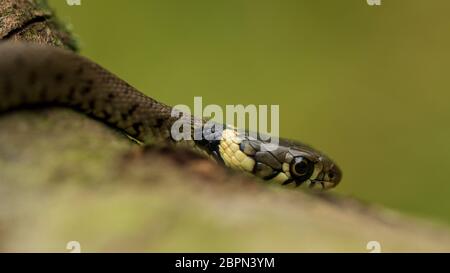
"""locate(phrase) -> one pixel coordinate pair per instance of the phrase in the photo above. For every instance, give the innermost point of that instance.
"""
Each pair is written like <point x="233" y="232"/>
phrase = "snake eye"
<point x="302" y="168"/>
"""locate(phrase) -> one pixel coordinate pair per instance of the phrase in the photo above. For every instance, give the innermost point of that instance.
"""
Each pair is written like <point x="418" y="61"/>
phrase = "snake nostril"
<point x="335" y="174"/>
<point x="331" y="176"/>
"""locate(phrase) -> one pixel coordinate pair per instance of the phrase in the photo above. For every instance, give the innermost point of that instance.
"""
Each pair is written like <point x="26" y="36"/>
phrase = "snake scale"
<point x="36" y="75"/>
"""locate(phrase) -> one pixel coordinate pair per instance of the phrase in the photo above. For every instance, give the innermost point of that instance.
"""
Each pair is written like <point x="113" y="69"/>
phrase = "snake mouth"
<point x="326" y="185"/>
<point x="315" y="184"/>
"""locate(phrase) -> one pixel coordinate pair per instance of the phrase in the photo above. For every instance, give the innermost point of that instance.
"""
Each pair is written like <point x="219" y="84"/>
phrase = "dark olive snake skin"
<point x="36" y="75"/>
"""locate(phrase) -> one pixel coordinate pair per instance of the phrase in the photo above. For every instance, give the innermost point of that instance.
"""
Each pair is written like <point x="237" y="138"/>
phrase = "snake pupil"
<point x="301" y="168"/>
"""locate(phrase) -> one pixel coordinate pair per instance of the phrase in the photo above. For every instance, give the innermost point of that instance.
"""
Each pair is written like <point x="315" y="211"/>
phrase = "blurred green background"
<point x="368" y="85"/>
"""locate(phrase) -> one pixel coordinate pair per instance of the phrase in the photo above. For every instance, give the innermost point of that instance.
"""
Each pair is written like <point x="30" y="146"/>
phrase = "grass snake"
<point x="36" y="75"/>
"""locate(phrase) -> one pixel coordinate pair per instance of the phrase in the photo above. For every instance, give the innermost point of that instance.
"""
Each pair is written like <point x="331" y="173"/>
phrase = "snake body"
<point x="36" y="75"/>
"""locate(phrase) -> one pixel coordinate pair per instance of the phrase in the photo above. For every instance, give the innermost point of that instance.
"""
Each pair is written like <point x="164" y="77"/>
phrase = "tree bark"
<point x="33" y="21"/>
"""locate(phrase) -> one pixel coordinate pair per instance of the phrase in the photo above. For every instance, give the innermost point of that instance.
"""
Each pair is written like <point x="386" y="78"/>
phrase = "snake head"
<point x="287" y="162"/>
<point x="309" y="165"/>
